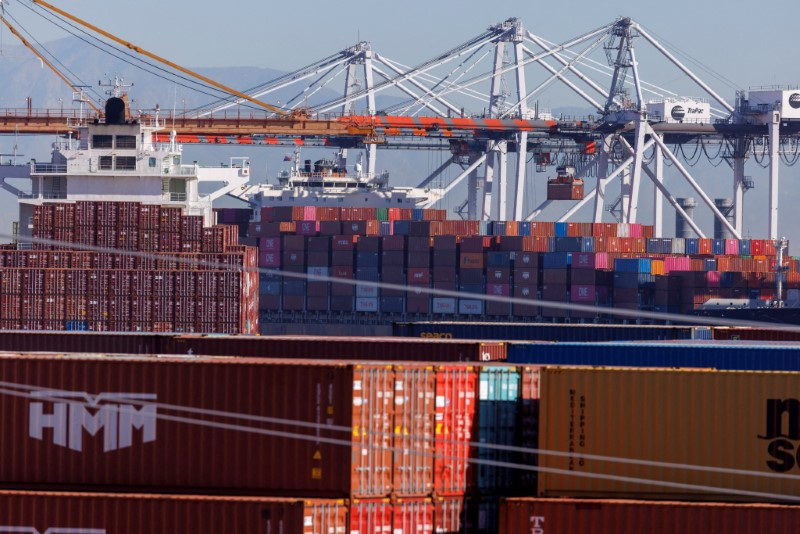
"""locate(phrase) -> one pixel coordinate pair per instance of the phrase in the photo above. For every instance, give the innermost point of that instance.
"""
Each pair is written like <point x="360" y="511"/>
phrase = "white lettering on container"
<point x="76" y="412"/>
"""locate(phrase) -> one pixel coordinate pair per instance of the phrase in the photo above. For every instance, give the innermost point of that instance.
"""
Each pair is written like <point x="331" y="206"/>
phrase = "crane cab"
<point x="565" y="186"/>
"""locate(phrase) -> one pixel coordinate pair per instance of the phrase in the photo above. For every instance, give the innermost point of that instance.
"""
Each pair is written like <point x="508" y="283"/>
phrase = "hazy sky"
<point x="750" y="42"/>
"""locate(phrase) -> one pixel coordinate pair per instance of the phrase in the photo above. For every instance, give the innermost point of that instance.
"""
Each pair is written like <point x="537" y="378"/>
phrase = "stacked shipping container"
<point x="606" y="265"/>
<point x="191" y="279"/>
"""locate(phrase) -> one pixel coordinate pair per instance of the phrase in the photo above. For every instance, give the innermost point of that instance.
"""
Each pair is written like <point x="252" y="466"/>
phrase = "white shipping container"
<point x="367" y="304"/>
<point x="366" y="291"/>
<point x="444" y="305"/>
<point x="678" y="245"/>
<point x="470" y="307"/>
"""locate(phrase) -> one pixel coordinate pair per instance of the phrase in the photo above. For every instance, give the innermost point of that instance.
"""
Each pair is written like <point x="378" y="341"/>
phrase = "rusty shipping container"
<point x="414" y="401"/>
<point x="275" y="427"/>
<point x="107" y="513"/>
<point x="715" y="435"/>
<point x="312" y="347"/>
<point x="588" y="516"/>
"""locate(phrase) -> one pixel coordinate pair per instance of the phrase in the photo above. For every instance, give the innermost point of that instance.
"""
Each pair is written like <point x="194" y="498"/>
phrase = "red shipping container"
<point x="169" y="514"/>
<point x="371" y="516"/>
<point x="10" y="306"/>
<point x="414" y="412"/>
<point x="585" y="516"/>
<point x="413" y="515"/>
<point x="454" y="414"/>
<point x="97" y="283"/>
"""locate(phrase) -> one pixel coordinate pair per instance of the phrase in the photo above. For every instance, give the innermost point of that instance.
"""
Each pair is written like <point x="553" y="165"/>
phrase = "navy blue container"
<point x="479" y="289"/>
<point x="272" y="287"/>
<point x="417" y="214"/>
<point x="400" y="227"/>
<point x="632" y="265"/>
<point x="568" y="244"/>
<point x="548" y="331"/>
<point x="733" y="355"/>
<point x="76" y="326"/>
<point x="692" y="246"/>
<point x="499" y="259"/>
<point x="653" y="245"/>
<point x="393" y="304"/>
<point x="709" y="264"/>
<point x="525" y="228"/>
<point x="368" y="259"/>
<point x="368" y="274"/>
<point x="626" y="280"/>
<point x="561" y="229"/>
<point x="294" y="288"/>
<point x="587" y="244"/>
<point x="744" y="247"/>
<point x="556" y="260"/>
<point x="718" y="246"/>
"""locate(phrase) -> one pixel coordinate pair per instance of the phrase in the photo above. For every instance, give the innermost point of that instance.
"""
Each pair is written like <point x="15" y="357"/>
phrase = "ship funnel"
<point x="115" y="111"/>
<point x="682" y="228"/>
<point x="725" y="206"/>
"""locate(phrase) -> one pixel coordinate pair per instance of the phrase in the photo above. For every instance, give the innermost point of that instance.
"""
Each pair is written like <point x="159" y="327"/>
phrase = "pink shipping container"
<point x="583" y="293"/>
<point x="498" y="290"/>
<point x="677" y="263"/>
<point x="592" y="516"/>
<point x="590" y="260"/>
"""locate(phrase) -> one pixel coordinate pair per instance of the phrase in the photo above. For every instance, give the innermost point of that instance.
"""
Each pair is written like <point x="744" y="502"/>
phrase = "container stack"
<point x="606" y="265"/>
<point x="175" y="274"/>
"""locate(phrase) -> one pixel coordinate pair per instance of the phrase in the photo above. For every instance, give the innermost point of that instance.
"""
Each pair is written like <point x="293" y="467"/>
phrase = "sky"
<point x="737" y="45"/>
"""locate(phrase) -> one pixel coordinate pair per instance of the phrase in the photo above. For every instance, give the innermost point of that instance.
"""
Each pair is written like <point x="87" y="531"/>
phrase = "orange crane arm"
<point x="160" y="59"/>
<point x="44" y="60"/>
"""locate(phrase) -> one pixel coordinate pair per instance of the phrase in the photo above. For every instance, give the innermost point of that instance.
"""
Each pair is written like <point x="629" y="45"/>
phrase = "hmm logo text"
<point x="69" y="414"/>
<point x="53" y="530"/>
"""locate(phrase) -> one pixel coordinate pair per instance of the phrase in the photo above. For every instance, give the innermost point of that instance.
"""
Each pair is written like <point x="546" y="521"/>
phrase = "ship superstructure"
<point x="115" y="158"/>
<point x="329" y="182"/>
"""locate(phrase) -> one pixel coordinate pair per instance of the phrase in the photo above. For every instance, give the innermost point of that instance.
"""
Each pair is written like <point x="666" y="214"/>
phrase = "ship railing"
<point x="49" y="168"/>
<point x="49" y="195"/>
<point x="174" y="197"/>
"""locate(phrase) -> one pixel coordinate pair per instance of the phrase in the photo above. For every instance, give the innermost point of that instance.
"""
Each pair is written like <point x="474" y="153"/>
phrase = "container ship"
<point x="115" y="235"/>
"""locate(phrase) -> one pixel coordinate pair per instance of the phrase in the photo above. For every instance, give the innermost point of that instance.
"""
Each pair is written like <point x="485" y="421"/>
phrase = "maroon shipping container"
<point x="139" y="423"/>
<point x="591" y="516"/>
<point x="96" y="513"/>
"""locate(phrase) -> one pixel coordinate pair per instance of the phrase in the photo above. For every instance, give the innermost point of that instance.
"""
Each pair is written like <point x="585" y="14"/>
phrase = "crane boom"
<point x="160" y="59"/>
<point x="44" y="60"/>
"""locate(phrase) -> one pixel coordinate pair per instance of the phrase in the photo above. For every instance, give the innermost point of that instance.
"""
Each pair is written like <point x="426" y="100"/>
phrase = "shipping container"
<point x="152" y="429"/>
<point x="100" y="513"/>
<point x="456" y="410"/>
<point x="669" y="434"/>
<point x="592" y="516"/>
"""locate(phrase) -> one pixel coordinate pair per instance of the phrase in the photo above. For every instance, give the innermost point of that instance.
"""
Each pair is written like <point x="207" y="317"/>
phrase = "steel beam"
<point x="774" y="166"/>
<point x="695" y="186"/>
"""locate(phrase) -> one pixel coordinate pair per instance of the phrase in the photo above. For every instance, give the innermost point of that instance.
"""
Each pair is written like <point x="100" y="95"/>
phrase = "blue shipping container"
<point x="744" y="247"/>
<point x="718" y="246"/>
<point x="733" y="355"/>
<point x="587" y="244"/>
<point x="76" y="326"/>
<point x="548" y="332"/>
<point x="499" y="259"/>
<point x="692" y="246"/>
<point x="556" y="260"/>
<point x="561" y="229"/>
<point x="632" y="265"/>
<point x="498" y="412"/>
<point x="568" y="244"/>
<point x="400" y="227"/>
<point x="525" y="228"/>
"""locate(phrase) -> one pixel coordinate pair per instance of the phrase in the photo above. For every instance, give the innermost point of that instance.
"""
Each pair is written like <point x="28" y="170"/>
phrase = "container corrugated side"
<point x="498" y="412"/>
<point x="414" y="404"/>
<point x="210" y="424"/>
<point x="695" y="354"/>
<point x="362" y="348"/>
<point x="105" y="513"/>
<point x="589" y="516"/>
<point x="541" y="331"/>
<point x="456" y="410"/>
<point x="739" y="430"/>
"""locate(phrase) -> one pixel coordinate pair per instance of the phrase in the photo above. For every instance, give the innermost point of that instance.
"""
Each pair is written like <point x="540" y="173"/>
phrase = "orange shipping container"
<point x="96" y="513"/>
<point x="471" y="260"/>
<point x="717" y="435"/>
<point x="567" y="516"/>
